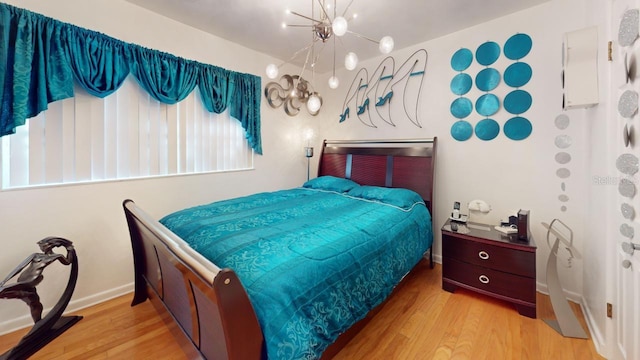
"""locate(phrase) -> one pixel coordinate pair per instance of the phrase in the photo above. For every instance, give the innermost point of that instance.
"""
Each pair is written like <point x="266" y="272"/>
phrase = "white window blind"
<point x="125" y="135"/>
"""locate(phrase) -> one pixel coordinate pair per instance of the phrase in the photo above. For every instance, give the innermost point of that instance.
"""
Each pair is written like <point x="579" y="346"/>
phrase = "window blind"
<point x="127" y="134"/>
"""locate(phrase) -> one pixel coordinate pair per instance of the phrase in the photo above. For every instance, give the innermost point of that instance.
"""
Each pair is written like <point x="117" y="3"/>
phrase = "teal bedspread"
<point x="314" y="260"/>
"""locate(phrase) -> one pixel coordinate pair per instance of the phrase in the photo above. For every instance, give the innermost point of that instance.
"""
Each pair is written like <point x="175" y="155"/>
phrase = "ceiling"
<point x="257" y="24"/>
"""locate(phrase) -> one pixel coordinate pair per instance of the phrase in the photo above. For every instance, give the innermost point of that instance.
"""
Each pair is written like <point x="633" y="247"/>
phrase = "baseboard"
<point x="74" y="305"/>
<point x="596" y="335"/>
<point x="572" y="296"/>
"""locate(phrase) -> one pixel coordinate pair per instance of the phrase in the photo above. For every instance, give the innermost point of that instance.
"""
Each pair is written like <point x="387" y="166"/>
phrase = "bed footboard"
<point x="209" y="304"/>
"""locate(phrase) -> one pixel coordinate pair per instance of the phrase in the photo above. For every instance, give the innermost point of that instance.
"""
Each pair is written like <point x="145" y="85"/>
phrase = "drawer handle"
<point x="484" y="279"/>
<point x="483" y="255"/>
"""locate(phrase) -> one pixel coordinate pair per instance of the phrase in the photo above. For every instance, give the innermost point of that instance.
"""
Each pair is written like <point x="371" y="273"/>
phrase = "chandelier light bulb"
<point x="272" y="71"/>
<point x="351" y="61"/>
<point x="313" y="104"/>
<point x="386" y="45"/>
<point x="334" y="82"/>
<point x="339" y="26"/>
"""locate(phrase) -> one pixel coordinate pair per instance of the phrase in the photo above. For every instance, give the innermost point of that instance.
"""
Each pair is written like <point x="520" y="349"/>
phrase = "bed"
<point x="342" y="243"/>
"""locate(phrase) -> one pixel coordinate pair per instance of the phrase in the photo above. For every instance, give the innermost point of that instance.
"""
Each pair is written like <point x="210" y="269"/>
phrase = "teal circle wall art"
<point x="461" y="107"/>
<point x="517" y="128"/>
<point x="461" y="84"/>
<point x="487" y="53"/>
<point x="487" y="105"/>
<point x="461" y="59"/>
<point x="487" y="129"/>
<point x="517" y="46"/>
<point x="517" y="74"/>
<point x="461" y="130"/>
<point x="517" y="102"/>
<point x="487" y="79"/>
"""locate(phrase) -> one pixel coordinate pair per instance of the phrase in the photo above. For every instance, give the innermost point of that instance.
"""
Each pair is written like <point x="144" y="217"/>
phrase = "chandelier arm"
<point x="347" y="8"/>
<point x="317" y="56"/>
<point x="334" y="54"/>
<point x="363" y="37"/>
<point x="306" y="17"/>
<point x="297" y="53"/>
<point x="324" y="11"/>
<point x="299" y="25"/>
<point x="306" y="61"/>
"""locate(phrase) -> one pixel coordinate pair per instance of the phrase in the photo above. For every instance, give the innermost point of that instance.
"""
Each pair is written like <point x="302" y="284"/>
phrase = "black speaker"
<point x="523" y="225"/>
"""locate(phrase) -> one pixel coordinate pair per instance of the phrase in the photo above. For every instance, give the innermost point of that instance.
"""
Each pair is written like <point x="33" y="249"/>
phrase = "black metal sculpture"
<point x="29" y="274"/>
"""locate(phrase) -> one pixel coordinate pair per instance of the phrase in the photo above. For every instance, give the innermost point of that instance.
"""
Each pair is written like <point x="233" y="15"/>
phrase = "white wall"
<point x="598" y="226"/>
<point x="91" y="215"/>
<point x="508" y="174"/>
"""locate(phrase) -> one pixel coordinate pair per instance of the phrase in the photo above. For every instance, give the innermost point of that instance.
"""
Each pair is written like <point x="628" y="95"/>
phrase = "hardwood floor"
<point x="421" y="321"/>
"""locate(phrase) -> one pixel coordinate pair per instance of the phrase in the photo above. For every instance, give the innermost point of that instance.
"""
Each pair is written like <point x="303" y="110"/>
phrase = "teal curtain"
<point x="33" y="67"/>
<point x="165" y="77"/>
<point x="40" y="57"/>
<point x="242" y="107"/>
<point x="213" y="88"/>
<point x="99" y="63"/>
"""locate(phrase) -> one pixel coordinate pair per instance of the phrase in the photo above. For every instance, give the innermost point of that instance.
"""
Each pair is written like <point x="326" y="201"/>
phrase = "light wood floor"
<point x="421" y="321"/>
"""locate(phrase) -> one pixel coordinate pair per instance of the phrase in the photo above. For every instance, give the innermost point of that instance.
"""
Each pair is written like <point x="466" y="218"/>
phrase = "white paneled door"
<point x="626" y="85"/>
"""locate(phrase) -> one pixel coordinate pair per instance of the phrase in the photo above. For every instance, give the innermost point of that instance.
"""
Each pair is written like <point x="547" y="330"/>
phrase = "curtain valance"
<point x="40" y="56"/>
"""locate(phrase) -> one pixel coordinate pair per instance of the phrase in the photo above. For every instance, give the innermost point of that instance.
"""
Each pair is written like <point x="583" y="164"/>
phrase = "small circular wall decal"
<point x="461" y="107"/>
<point x="627" y="164"/>
<point x="628" y="104"/>
<point x="562" y="121"/>
<point x="517" y="74"/>
<point x="461" y="84"/>
<point x="487" y="129"/>
<point x="628" y="212"/>
<point x="563" y="141"/>
<point x="461" y="59"/>
<point x="517" y="46"/>
<point x="563" y="158"/>
<point x="563" y="198"/>
<point x="517" y="102"/>
<point x="487" y="53"/>
<point x="628" y="31"/>
<point x="517" y="128"/>
<point x="563" y="208"/>
<point x="627" y="231"/>
<point x="487" y="79"/>
<point x="563" y="186"/>
<point x="461" y="130"/>
<point x="487" y="104"/>
<point x="627" y="188"/>
<point x="563" y="173"/>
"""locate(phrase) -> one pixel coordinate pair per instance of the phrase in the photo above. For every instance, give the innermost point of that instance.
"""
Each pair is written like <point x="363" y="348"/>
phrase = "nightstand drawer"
<point x="496" y="282"/>
<point x="495" y="257"/>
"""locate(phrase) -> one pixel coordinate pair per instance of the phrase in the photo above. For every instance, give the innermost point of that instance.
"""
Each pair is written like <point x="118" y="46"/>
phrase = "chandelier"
<point x="325" y="24"/>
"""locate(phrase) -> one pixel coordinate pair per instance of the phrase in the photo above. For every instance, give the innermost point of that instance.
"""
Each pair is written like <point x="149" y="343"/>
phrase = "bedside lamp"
<point x="308" y="150"/>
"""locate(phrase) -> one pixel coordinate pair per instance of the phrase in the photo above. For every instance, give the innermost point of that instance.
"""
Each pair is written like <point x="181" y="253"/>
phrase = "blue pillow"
<point x="402" y="198"/>
<point x="331" y="183"/>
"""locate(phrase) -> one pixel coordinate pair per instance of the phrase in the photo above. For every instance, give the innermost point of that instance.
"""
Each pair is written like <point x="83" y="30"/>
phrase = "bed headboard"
<point x="407" y="164"/>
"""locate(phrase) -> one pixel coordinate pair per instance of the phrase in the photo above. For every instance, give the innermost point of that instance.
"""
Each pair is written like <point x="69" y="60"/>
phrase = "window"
<point x="128" y="134"/>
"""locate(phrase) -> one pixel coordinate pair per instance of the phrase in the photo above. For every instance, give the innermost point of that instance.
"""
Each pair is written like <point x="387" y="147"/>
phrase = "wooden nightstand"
<point x="479" y="258"/>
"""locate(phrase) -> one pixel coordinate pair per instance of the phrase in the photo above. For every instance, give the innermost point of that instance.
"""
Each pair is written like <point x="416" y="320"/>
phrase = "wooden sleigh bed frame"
<point x="209" y="304"/>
